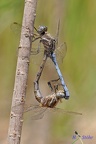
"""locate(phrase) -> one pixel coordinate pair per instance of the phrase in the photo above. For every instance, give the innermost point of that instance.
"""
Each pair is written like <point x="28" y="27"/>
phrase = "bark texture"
<point x="19" y="92"/>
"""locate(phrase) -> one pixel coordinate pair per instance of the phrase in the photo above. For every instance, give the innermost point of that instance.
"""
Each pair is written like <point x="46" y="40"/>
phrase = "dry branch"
<point x="19" y="93"/>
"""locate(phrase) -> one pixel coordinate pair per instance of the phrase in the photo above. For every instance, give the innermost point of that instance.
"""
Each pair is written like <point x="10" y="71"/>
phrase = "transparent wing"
<point x="57" y="32"/>
<point x="61" y="52"/>
<point x="62" y="111"/>
<point x="37" y="117"/>
<point x="36" y="111"/>
<point x="16" y="28"/>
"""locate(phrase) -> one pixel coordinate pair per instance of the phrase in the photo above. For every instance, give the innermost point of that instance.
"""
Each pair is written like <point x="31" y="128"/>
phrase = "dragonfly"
<point x="46" y="103"/>
<point x="49" y="44"/>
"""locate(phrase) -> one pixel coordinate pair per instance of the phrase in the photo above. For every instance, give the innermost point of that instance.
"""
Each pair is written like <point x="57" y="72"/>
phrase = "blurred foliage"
<point x="77" y="28"/>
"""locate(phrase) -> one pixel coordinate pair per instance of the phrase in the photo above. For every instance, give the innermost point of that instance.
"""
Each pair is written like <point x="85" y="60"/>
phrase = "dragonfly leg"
<point x="39" y="45"/>
<point x="36" y="38"/>
<point x="38" y="49"/>
<point x="50" y="86"/>
<point x="55" y="88"/>
<point x="55" y="85"/>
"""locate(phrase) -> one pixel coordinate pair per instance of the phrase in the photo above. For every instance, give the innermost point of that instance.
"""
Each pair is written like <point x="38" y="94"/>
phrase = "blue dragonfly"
<point x="49" y="44"/>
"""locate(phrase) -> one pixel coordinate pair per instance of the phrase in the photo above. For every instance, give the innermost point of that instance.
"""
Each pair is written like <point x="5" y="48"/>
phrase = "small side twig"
<point x="79" y="138"/>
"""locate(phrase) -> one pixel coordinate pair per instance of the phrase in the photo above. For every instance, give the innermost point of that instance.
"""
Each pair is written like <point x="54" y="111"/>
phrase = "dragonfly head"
<point x="42" y="29"/>
<point x="60" y="94"/>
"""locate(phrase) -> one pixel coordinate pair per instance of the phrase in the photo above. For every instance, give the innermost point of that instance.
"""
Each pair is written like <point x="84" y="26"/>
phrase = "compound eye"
<point x="42" y="29"/>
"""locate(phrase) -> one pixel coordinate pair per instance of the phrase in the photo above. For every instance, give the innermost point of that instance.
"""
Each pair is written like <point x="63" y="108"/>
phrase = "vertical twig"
<point x="19" y="93"/>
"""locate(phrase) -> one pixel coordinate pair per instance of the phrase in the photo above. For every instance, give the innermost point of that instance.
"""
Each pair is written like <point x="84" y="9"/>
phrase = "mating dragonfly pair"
<point x="52" y="100"/>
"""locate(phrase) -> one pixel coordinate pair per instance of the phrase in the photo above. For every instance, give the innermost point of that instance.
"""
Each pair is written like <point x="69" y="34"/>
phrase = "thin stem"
<point x="21" y="78"/>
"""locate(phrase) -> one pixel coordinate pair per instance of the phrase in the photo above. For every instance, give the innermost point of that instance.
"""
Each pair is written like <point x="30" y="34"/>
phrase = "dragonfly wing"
<point x="37" y="58"/>
<point x="32" y="107"/>
<point x="39" y="115"/>
<point x="62" y="111"/>
<point x="57" y="33"/>
<point x="61" y="52"/>
<point x="16" y="28"/>
<point x="17" y="108"/>
<point x="35" y="51"/>
<point x="37" y="112"/>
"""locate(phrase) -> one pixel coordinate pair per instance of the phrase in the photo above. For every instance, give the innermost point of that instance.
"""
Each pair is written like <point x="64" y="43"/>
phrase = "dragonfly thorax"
<point x="49" y="44"/>
<point x="50" y="101"/>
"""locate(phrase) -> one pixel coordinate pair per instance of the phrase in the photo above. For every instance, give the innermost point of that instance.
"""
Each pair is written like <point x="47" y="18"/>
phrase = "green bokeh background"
<point x="77" y="28"/>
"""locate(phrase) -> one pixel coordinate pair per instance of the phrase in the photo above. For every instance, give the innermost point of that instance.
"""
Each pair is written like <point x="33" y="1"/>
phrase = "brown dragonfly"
<point x="48" y="103"/>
